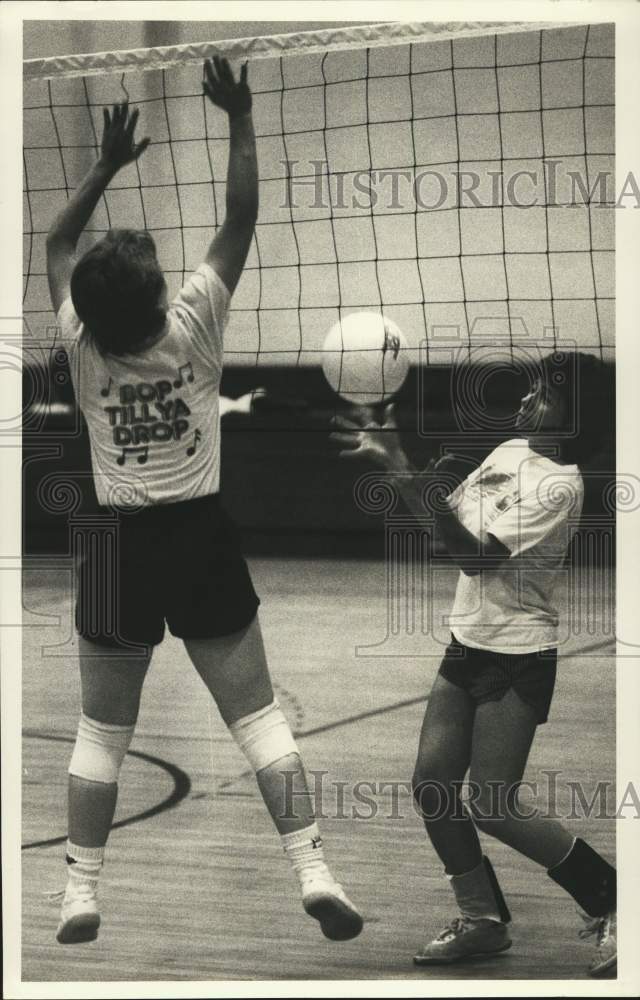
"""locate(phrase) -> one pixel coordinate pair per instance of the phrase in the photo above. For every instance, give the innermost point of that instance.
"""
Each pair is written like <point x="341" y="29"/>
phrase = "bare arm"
<point x="117" y="148"/>
<point x="230" y="246"/>
<point x="62" y="238"/>
<point x="471" y="556"/>
<point x="381" y="444"/>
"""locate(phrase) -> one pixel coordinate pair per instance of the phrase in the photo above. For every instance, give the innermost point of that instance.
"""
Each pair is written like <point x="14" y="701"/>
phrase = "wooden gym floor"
<point x="195" y="886"/>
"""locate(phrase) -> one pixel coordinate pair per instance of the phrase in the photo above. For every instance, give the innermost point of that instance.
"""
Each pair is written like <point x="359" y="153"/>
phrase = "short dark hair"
<point x="116" y="289"/>
<point x="587" y="386"/>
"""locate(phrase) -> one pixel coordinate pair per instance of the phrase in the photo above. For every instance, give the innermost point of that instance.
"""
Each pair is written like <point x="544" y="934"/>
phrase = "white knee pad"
<point x="99" y="751"/>
<point x="264" y="736"/>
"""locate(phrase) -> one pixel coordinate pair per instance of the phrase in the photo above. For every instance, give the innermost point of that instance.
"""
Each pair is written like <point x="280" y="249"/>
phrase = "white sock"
<point x="474" y="895"/>
<point x="304" y="850"/>
<point x="84" y="863"/>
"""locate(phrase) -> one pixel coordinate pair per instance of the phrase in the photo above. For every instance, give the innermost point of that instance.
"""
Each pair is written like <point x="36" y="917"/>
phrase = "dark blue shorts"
<point x="487" y="675"/>
<point x="177" y="563"/>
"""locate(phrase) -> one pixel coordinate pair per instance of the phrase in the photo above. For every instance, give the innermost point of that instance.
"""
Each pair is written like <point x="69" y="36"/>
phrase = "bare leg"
<point x="111" y="688"/>
<point x="503" y="732"/>
<point x="443" y="758"/>
<point x="234" y="669"/>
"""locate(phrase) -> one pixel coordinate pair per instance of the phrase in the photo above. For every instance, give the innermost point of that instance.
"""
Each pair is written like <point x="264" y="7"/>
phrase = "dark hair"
<point x="587" y="386"/>
<point x="116" y="289"/>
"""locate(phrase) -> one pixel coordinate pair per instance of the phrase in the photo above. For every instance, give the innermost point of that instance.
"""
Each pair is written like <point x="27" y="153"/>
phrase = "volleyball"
<point x="365" y="358"/>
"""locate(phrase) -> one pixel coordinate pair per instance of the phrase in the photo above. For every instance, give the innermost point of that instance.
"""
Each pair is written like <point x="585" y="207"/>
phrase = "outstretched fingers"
<point x="117" y="115"/>
<point x="142" y="145"/>
<point x="390" y="415"/>
<point x="349" y="440"/>
<point x="131" y="124"/>
<point x="346" y="434"/>
<point x="344" y="423"/>
<point x="211" y="77"/>
<point x="224" y="70"/>
<point x="118" y="141"/>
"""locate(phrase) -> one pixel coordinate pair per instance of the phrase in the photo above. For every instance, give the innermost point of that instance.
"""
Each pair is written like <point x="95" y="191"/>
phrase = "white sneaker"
<point x="79" y="917"/>
<point x="464" y="939"/>
<point x="325" y="900"/>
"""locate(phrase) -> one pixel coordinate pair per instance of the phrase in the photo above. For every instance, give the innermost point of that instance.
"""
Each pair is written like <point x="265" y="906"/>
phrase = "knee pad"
<point x="99" y="751"/>
<point x="264" y="736"/>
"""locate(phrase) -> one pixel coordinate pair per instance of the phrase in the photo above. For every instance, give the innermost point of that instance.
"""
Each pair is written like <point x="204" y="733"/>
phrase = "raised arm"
<point x="380" y="444"/>
<point x="471" y="556"/>
<point x="230" y="246"/>
<point x="117" y="148"/>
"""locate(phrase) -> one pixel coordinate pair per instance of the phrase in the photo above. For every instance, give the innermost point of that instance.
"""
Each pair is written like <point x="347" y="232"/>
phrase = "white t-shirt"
<point x="153" y="417"/>
<point x="532" y="505"/>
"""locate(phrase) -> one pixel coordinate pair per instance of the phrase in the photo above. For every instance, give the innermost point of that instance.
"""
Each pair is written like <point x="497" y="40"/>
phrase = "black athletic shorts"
<point x="179" y="562"/>
<point x="487" y="676"/>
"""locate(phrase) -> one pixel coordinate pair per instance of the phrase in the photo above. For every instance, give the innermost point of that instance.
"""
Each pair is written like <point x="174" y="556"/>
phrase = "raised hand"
<point x="222" y="89"/>
<point x="375" y="442"/>
<point x="118" y="146"/>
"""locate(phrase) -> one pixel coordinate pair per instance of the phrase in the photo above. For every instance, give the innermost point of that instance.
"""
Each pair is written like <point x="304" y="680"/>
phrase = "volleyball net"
<point x="458" y="178"/>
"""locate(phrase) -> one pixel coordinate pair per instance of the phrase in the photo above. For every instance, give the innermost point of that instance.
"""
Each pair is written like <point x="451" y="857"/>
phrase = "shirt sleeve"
<point x="537" y="514"/>
<point x="457" y="493"/>
<point x="69" y="323"/>
<point x="203" y="306"/>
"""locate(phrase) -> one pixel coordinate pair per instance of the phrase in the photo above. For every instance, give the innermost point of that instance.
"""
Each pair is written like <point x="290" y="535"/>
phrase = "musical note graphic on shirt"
<point x="142" y="451"/>
<point x="107" y="391"/>
<point x="191" y="450"/>
<point x="179" y="382"/>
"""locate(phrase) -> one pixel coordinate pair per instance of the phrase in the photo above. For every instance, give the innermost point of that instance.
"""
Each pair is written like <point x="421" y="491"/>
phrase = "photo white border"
<point x="626" y="15"/>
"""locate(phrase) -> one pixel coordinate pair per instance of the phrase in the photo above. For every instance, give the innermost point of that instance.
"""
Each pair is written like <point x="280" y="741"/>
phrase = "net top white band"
<point x="296" y="43"/>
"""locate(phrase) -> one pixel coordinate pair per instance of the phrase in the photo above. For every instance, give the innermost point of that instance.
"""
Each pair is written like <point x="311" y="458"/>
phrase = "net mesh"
<point x="462" y="186"/>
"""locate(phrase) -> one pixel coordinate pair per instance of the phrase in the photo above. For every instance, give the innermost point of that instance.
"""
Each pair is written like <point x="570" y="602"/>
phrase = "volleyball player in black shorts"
<point x="147" y="376"/>
<point x="507" y="526"/>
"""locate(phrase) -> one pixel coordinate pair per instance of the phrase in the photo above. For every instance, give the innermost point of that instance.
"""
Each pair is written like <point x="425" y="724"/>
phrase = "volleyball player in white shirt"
<point x="507" y="526"/>
<point x="147" y="376"/>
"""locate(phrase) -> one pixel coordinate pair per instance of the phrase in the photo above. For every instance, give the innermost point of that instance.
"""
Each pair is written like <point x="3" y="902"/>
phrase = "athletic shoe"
<point x="326" y="901"/>
<point x="606" y="953"/>
<point x="465" y="938"/>
<point x="79" y="917"/>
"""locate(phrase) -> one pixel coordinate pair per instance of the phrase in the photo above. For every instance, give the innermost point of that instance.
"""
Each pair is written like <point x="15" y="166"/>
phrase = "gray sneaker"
<point x="463" y="939"/>
<point x="605" y="959"/>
